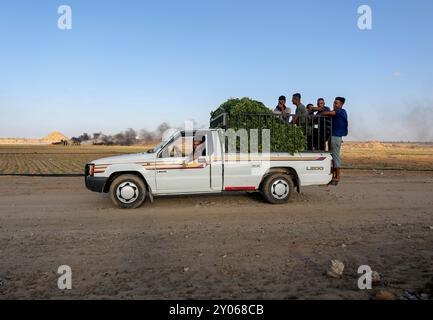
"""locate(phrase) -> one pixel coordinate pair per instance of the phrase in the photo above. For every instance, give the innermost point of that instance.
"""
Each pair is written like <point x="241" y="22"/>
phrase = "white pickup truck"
<point x="178" y="167"/>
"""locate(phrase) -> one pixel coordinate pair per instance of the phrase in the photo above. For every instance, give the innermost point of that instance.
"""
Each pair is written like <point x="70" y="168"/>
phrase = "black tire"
<point x="128" y="191"/>
<point x="277" y="188"/>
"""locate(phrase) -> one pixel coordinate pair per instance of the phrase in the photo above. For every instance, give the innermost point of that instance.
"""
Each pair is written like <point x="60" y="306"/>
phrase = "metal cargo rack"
<point x="316" y="129"/>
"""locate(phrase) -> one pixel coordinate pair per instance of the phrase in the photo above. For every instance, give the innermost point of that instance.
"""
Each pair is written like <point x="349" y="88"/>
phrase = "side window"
<point x="174" y="149"/>
<point x="181" y="146"/>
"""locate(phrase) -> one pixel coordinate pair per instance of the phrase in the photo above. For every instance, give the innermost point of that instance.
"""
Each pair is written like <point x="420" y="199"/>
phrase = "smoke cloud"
<point x="130" y="136"/>
<point x="125" y="138"/>
<point x="413" y="124"/>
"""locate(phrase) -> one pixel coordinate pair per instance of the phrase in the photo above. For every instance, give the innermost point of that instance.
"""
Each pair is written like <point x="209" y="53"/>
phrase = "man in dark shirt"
<point x="322" y="124"/>
<point x="339" y="130"/>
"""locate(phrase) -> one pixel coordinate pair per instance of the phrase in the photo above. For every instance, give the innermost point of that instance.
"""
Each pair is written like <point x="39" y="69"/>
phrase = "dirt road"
<point x="216" y="246"/>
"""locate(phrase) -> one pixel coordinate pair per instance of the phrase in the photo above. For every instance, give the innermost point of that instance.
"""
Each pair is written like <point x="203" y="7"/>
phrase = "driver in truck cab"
<point x="199" y="147"/>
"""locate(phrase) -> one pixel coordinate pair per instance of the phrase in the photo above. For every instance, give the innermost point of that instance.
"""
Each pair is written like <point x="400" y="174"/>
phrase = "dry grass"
<point x="377" y="155"/>
<point x="49" y="159"/>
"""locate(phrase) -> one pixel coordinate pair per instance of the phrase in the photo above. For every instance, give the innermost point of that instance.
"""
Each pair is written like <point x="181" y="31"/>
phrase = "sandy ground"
<point x="232" y="246"/>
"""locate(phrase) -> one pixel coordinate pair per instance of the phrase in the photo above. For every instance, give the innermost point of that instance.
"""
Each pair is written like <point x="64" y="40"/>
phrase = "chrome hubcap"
<point x="280" y="189"/>
<point x="127" y="192"/>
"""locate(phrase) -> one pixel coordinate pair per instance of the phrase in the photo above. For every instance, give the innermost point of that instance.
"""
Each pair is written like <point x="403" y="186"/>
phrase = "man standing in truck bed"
<point x="300" y="112"/>
<point x="339" y="130"/>
<point x="282" y="110"/>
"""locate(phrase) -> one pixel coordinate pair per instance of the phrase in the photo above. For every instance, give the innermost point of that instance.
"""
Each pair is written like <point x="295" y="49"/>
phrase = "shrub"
<point x="251" y="114"/>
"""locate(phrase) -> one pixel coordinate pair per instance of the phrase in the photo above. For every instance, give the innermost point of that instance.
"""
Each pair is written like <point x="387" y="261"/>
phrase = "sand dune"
<point x="53" y="137"/>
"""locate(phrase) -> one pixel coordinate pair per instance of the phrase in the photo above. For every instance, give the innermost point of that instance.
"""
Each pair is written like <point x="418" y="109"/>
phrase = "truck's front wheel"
<point x="128" y="191"/>
<point x="277" y="188"/>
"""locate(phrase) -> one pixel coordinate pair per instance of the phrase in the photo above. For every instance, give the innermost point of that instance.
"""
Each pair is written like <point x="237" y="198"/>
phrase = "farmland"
<point x="55" y="159"/>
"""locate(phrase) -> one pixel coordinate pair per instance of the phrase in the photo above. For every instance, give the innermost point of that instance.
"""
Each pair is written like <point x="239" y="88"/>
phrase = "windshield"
<point x="157" y="147"/>
<point x="166" y="137"/>
<point x="162" y="143"/>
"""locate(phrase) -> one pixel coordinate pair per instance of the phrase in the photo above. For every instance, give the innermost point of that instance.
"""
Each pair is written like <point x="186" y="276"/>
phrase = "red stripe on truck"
<point x="239" y="188"/>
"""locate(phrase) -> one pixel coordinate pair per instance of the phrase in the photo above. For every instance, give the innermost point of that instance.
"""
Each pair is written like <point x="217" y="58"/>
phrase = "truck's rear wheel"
<point x="277" y="188"/>
<point x="128" y="191"/>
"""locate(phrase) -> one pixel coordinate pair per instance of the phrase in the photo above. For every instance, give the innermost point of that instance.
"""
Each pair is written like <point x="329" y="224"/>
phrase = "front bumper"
<point x="95" y="184"/>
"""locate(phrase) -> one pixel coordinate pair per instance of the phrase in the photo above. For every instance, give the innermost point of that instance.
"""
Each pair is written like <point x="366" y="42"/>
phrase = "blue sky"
<point x="139" y="63"/>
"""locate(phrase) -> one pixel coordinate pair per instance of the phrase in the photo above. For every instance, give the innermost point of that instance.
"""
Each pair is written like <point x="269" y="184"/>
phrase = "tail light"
<point x="332" y="167"/>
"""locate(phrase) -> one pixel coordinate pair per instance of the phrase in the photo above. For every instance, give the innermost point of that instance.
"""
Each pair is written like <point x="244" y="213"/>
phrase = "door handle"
<point x="256" y="165"/>
<point x="161" y="171"/>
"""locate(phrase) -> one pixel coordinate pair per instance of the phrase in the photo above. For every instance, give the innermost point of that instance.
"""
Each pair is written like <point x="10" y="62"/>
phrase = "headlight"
<point x="91" y="169"/>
